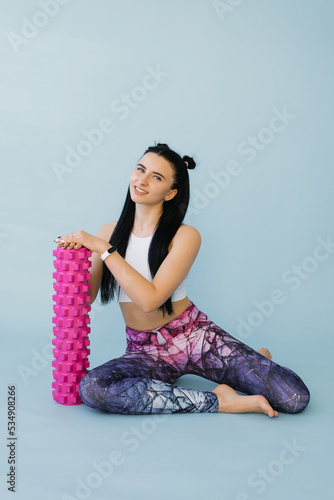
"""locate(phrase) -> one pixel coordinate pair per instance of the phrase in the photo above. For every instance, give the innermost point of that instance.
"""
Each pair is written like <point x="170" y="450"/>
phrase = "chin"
<point x="136" y="198"/>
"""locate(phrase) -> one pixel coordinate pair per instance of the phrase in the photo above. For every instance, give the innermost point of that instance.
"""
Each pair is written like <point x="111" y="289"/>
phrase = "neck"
<point x="146" y="217"/>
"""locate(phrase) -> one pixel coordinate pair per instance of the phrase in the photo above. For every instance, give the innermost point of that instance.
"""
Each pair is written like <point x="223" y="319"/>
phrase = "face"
<point x="151" y="181"/>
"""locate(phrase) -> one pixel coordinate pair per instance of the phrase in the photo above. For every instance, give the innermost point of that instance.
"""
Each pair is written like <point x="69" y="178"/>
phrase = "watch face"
<point x="110" y="250"/>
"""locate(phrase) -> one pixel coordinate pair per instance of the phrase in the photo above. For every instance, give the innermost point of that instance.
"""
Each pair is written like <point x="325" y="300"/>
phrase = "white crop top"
<point x="137" y="256"/>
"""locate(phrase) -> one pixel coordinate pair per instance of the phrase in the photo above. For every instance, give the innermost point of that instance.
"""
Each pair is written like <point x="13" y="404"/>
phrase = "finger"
<point x="61" y="239"/>
<point x="66" y="238"/>
<point x="65" y="244"/>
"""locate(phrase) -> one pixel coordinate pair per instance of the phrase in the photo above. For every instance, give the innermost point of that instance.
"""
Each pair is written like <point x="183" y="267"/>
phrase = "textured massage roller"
<point x="71" y="319"/>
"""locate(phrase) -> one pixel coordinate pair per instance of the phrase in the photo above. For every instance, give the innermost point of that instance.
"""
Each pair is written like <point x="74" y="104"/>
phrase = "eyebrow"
<point x="140" y="164"/>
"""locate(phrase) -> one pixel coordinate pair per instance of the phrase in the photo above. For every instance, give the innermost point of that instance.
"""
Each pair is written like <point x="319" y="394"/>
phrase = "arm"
<point x="149" y="296"/>
<point x="146" y="295"/>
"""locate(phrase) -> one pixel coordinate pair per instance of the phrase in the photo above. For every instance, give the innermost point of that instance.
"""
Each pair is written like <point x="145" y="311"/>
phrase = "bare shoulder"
<point x="189" y="231"/>
<point x="106" y="230"/>
<point x="186" y="235"/>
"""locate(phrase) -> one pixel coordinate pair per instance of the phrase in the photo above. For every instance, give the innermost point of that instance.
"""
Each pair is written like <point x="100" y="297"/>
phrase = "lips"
<point x="139" y="191"/>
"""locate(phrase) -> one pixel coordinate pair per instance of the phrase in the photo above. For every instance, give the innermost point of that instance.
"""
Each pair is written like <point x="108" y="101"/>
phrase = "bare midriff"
<point x="137" y="319"/>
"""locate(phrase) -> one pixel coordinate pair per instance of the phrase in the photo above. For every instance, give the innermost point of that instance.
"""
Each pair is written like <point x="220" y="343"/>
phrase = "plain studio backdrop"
<point x="247" y="89"/>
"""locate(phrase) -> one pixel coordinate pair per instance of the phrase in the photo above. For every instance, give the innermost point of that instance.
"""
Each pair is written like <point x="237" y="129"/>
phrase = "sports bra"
<point x="137" y="256"/>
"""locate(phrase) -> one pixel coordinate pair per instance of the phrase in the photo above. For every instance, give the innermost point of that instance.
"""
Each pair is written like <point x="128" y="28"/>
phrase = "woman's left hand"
<point x="82" y="239"/>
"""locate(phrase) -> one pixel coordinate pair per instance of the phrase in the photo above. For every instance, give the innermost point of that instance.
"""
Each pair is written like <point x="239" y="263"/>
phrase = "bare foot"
<point x="265" y="352"/>
<point x="232" y="402"/>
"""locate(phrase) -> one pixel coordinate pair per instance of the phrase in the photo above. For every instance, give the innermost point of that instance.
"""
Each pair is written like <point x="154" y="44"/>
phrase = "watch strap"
<point x="108" y="252"/>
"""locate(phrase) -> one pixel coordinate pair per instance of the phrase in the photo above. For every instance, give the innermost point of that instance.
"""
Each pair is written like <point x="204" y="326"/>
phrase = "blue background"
<point x="226" y="70"/>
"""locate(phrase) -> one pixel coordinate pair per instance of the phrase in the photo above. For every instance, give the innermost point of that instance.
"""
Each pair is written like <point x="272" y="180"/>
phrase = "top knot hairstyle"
<point x="190" y="164"/>
<point x="170" y="220"/>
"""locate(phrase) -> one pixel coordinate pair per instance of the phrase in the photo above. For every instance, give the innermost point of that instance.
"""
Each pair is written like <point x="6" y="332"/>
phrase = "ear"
<point x="170" y="195"/>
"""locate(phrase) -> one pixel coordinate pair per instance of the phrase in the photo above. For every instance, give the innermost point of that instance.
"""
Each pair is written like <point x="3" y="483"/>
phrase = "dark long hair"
<point x="170" y="220"/>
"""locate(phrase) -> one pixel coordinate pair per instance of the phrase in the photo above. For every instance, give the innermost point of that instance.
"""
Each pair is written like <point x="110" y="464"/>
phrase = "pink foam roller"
<point x="71" y="319"/>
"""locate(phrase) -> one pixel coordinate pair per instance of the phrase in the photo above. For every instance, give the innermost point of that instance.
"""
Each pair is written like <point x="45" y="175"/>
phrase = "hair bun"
<point x="190" y="163"/>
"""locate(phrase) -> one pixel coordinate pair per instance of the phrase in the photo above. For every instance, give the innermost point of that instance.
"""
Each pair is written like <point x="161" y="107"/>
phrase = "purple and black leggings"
<point x="141" y="381"/>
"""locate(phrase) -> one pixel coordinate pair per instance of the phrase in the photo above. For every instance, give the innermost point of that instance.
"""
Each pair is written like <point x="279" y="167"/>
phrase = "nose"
<point x="143" y="179"/>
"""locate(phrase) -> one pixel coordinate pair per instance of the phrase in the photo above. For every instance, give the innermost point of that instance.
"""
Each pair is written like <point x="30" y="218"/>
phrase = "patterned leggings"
<point x="141" y="381"/>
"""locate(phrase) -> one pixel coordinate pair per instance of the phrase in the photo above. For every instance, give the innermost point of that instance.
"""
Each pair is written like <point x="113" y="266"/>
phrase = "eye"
<point x="159" y="178"/>
<point x="140" y="168"/>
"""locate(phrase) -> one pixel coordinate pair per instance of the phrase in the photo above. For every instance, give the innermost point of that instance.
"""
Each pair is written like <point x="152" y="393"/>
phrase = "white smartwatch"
<point x="108" y="252"/>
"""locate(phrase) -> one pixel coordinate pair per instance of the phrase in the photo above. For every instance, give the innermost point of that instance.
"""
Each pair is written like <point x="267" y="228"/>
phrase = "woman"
<point x="145" y="257"/>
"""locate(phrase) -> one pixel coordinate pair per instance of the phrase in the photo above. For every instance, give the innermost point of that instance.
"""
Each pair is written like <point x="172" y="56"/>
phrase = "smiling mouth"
<point x="141" y="191"/>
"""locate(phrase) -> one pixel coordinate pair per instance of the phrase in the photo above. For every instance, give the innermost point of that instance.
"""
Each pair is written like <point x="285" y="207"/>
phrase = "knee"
<point x="101" y="394"/>
<point x="299" y="401"/>
<point x="87" y="390"/>
<point x="303" y="400"/>
<point x="291" y="394"/>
